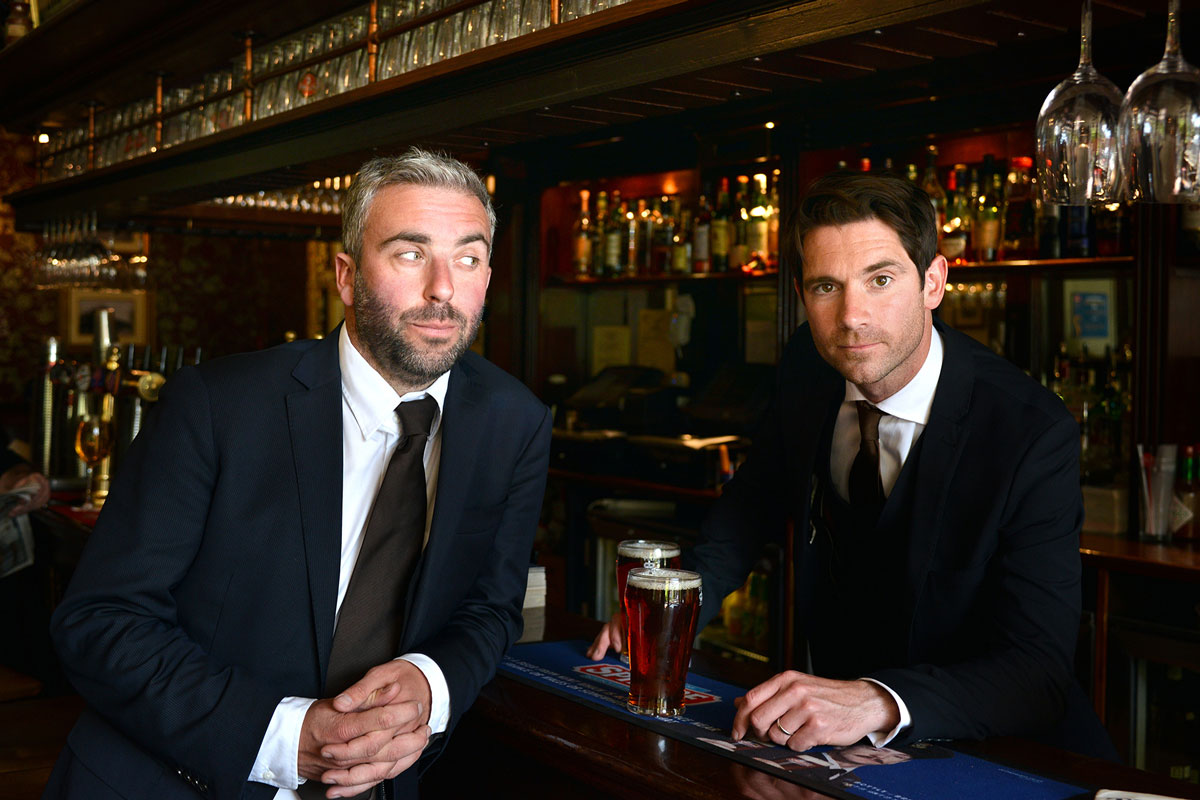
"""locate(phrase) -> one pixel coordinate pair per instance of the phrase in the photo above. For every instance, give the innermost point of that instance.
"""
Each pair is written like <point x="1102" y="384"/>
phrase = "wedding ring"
<point x="785" y="730"/>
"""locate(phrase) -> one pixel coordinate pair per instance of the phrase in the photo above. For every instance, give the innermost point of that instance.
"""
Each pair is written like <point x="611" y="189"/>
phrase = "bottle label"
<point x="612" y="250"/>
<point x="987" y="234"/>
<point x="756" y="235"/>
<point x="681" y="258"/>
<point x="583" y="253"/>
<point x="954" y="245"/>
<point x="307" y="85"/>
<point x="720" y="237"/>
<point x="700" y="243"/>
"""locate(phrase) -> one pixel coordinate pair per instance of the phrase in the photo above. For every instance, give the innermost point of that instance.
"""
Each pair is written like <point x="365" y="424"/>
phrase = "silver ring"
<point x="785" y="730"/>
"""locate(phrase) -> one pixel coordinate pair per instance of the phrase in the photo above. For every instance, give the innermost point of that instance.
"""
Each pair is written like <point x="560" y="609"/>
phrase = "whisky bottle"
<point x="634" y="233"/>
<point x="681" y="240"/>
<point x="933" y="188"/>
<point x="988" y="214"/>
<point x="702" y="238"/>
<point x="739" y="246"/>
<point x="614" y="233"/>
<point x="581" y="237"/>
<point x="957" y="226"/>
<point x="596" y="235"/>
<point x="721" y="229"/>
<point x="758" y="225"/>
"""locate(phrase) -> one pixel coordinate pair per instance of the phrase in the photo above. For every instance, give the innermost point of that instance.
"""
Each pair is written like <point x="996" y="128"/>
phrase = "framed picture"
<point x="129" y="323"/>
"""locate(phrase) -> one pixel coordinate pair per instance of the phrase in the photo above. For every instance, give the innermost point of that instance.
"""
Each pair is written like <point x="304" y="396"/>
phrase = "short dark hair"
<point x="842" y="197"/>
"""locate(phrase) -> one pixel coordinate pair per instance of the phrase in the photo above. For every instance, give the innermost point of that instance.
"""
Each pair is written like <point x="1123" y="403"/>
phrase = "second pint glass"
<point x="633" y="553"/>
<point x="662" y="606"/>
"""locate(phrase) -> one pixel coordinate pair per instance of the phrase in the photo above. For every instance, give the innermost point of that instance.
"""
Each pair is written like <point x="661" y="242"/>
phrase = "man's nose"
<point x="439" y="283"/>
<point x="855" y="310"/>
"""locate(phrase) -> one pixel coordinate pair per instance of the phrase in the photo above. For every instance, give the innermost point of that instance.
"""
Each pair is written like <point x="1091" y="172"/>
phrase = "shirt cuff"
<point x="276" y="764"/>
<point x="882" y="739"/>
<point x="439" y="692"/>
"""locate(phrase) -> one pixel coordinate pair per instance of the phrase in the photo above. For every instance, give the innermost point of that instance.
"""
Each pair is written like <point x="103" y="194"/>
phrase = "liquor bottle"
<point x="758" y="226"/>
<point x="957" y="227"/>
<point x="988" y="213"/>
<point x="1187" y="488"/>
<point x="1078" y="231"/>
<point x="657" y="256"/>
<point x="702" y="238"/>
<point x="1020" y="235"/>
<point x="596" y="234"/>
<point x="634" y="245"/>
<point x="1047" y="223"/>
<point x="614" y="237"/>
<point x="581" y="237"/>
<point x="681" y="240"/>
<point x="721" y="229"/>
<point x="773" y="223"/>
<point x="933" y="188"/>
<point x="739" y="248"/>
<point x="18" y="23"/>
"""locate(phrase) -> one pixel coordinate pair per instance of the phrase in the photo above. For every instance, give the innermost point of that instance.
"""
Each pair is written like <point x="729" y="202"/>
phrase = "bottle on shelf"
<point x="1020" y="235"/>
<point x="739" y="248"/>
<point x="1048" y="233"/>
<point x="773" y="223"/>
<point x="721" y="229"/>
<point x="614" y="237"/>
<point x="989" y="212"/>
<point x="660" y="235"/>
<point x="956" y="230"/>
<point x="933" y="187"/>
<point x="681" y="239"/>
<point x="581" y="237"/>
<point x="596" y="235"/>
<point x="1187" y="489"/>
<point x="634" y="246"/>
<point x="1077" y="225"/>
<point x="702" y="238"/>
<point x="758" y="225"/>
<point x="18" y="23"/>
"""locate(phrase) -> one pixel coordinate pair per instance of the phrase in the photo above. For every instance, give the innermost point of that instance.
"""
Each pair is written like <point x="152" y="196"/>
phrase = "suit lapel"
<point x="463" y="420"/>
<point x="314" y="421"/>
<point x="941" y="449"/>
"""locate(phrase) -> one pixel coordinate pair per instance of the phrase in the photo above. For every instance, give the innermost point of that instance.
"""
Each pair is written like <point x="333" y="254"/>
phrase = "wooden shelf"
<point x="584" y="282"/>
<point x="1111" y="263"/>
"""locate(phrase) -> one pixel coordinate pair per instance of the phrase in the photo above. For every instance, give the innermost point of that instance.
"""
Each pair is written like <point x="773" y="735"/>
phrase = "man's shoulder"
<point x="497" y="382"/>
<point x="267" y="369"/>
<point x="1001" y="388"/>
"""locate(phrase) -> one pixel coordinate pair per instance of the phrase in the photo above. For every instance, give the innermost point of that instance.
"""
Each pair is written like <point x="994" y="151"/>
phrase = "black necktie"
<point x="371" y="619"/>
<point x="866" y="485"/>
<point x="372" y="615"/>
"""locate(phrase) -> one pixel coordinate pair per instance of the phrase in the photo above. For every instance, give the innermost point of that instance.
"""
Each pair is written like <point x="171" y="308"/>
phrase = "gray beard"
<point x="399" y="358"/>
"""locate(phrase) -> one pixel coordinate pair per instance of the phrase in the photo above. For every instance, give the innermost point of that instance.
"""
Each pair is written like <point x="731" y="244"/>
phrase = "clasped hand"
<point x="793" y="708"/>
<point x="374" y="730"/>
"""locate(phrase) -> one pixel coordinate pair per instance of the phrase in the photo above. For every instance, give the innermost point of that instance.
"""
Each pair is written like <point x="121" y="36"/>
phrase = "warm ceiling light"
<point x="770" y="125"/>
<point x="43" y="138"/>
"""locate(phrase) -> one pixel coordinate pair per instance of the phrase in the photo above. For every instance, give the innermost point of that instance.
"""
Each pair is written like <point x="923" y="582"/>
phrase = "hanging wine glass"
<point x="1160" y="127"/>
<point x="1077" y="133"/>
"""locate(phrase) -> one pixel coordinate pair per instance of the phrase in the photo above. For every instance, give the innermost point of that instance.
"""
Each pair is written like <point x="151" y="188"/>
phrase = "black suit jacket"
<point x="207" y="590"/>
<point x="990" y="593"/>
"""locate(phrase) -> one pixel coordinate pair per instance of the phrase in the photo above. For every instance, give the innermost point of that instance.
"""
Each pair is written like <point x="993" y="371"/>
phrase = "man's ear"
<point x="343" y="269"/>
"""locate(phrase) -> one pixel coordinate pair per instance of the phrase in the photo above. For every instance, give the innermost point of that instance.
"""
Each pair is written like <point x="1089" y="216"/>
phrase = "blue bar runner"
<point x="922" y="770"/>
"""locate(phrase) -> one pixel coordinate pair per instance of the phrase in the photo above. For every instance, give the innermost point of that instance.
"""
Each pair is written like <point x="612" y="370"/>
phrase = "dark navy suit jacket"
<point x="990" y="595"/>
<point x="207" y="590"/>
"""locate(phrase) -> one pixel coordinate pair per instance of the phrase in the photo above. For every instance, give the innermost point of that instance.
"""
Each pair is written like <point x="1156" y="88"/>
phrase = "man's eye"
<point x="409" y="255"/>
<point x="822" y="288"/>
<point x="471" y="261"/>
<point x="882" y="280"/>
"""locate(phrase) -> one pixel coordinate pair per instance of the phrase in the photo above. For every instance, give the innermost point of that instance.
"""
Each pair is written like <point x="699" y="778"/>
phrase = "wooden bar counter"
<point x="521" y="741"/>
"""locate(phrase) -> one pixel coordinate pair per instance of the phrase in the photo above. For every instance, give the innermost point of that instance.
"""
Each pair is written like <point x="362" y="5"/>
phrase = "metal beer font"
<point x="661" y="606"/>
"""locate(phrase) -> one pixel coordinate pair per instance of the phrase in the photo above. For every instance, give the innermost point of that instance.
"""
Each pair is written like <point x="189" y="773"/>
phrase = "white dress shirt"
<point x="907" y="415"/>
<point x="370" y="432"/>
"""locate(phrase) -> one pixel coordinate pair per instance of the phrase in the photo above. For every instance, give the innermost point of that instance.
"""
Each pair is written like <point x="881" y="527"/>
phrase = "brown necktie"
<point x="371" y="619"/>
<point x="866" y="485"/>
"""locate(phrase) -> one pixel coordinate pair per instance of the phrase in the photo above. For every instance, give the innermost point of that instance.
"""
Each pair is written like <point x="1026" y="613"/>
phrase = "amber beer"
<point x="633" y="553"/>
<point x="661" y="606"/>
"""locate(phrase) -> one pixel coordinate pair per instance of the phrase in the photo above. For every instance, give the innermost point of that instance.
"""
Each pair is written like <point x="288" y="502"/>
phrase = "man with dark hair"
<point x="934" y="494"/>
<point x="315" y="555"/>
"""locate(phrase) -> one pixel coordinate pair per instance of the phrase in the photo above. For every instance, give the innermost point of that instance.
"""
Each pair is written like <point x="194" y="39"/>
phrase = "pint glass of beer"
<point x="633" y="553"/>
<point x="661" y="606"/>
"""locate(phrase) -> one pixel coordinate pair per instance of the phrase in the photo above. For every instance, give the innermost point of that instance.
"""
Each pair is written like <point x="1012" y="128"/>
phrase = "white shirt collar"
<point x="372" y="400"/>
<point x="915" y="399"/>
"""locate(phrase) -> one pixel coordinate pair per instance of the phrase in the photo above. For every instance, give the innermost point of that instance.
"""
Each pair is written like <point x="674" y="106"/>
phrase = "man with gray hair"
<point x="315" y="555"/>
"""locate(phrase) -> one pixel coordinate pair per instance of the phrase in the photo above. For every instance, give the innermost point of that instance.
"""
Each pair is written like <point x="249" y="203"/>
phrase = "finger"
<point x="400" y="754"/>
<point x="599" y="645"/>
<point x="380" y="696"/>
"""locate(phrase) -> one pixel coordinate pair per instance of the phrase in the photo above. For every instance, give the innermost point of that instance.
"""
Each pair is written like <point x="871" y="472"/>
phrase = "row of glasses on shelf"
<point x="128" y="132"/>
<point x="73" y="254"/>
<point x="318" y="197"/>
<point x="1096" y="145"/>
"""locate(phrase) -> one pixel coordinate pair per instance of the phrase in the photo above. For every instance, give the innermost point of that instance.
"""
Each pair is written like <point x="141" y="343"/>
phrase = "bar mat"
<point x="924" y="771"/>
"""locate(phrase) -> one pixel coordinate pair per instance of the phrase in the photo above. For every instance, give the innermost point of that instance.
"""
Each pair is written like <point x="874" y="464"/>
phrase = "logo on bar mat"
<point x="619" y="674"/>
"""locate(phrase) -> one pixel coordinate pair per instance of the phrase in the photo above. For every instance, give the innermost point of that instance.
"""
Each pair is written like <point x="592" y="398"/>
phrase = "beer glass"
<point x="94" y="438"/>
<point x="662" y="606"/>
<point x="641" y="553"/>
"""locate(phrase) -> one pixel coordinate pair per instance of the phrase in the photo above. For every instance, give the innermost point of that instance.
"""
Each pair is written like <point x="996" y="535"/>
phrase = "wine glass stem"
<point x="1172" y="28"/>
<point x="87" y="495"/>
<point x="1085" y="34"/>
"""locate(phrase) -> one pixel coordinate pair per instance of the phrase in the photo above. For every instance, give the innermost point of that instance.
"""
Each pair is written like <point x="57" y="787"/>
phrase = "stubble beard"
<point x="382" y="332"/>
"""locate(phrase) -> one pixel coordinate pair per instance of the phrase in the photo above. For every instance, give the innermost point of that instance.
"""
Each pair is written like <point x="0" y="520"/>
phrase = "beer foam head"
<point x="659" y="579"/>
<point x="643" y="549"/>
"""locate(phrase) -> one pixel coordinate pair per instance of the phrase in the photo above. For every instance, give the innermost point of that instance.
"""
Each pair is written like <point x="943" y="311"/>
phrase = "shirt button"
<point x="269" y="775"/>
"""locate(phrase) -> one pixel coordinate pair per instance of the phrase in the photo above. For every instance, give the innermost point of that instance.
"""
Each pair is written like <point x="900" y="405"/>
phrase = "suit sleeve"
<point x="1022" y="640"/>
<point x="488" y="619"/>
<point x="118" y="631"/>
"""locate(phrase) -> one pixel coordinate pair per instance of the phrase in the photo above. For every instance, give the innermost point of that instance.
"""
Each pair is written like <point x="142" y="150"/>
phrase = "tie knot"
<point x="416" y="417"/>
<point x="868" y="420"/>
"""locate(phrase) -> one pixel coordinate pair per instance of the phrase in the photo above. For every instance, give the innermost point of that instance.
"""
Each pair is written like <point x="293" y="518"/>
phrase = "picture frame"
<point x="130" y="323"/>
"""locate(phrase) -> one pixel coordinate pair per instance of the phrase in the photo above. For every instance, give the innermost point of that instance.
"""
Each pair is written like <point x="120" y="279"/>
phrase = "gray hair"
<point x="416" y="167"/>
